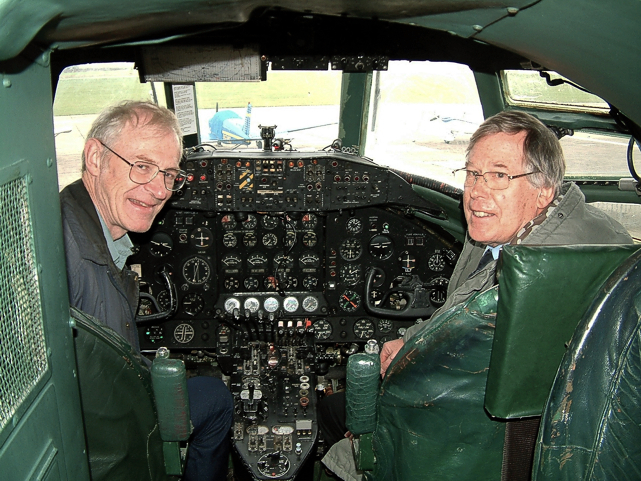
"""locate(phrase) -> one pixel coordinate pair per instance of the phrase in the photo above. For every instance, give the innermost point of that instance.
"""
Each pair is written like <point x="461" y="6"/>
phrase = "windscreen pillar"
<point x="355" y="95"/>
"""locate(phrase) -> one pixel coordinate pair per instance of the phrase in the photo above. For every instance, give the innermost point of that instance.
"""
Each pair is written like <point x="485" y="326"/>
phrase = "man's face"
<point x="124" y="205"/>
<point x="495" y="216"/>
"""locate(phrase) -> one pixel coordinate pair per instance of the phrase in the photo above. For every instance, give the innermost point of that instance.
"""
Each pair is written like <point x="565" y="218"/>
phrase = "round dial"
<point x="385" y="326"/>
<point x="354" y="225"/>
<point x="231" y="304"/>
<point x="251" y="304"/>
<point x="269" y="222"/>
<point x="309" y="239"/>
<point x="290" y="238"/>
<point x="161" y="244"/>
<point x="251" y="283"/>
<point x="310" y="282"/>
<point x="270" y="283"/>
<point x="230" y="240"/>
<point x="381" y="247"/>
<point x="364" y="329"/>
<point x="196" y="270"/>
<point x="250" y="239"/>
<point x="228" y="222"/>
<point x="270" y="240"/>
<point x="436" y="262"/>
<point x="271" y="304"/>
<point x="407" y="261"/>
<point x="183" y="333"/>
<point x="322" y="330"/>
<point x="349" y="301"/>
<point x="273" y="465"/>
<point x="438" y="294"/>
<point x="250" y="223"/>
<point x="201" y="238"/>
<point x="290" y="304"/>
<point x="193" y="303"/>
<point x="351" y="249"/>
<point x="309" y="221"/>
<point x="231" y="283"/>
<point x="310" y="304"/>
<point x="309" y="259"/>
<point x="164" y="300"/>
<point x="351" y="273"/>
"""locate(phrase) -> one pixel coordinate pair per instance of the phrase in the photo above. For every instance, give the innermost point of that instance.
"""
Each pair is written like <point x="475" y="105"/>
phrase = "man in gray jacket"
<point x="130" y="168"/>
<point x="513" y="194"/>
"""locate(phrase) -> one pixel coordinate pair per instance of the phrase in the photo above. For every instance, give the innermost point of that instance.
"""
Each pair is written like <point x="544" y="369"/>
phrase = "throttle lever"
<point x="412" y="287"/>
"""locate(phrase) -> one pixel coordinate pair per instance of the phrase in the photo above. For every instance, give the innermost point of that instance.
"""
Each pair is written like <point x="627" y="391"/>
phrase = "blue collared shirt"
<point x="119" y="249"/>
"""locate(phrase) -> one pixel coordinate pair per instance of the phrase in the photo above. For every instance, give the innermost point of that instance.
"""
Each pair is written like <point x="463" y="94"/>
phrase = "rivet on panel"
<point x="6" y="82"/>
<point x="512" y="10"/>
<point x="478" y="28"/>
<point x="49" y="162"/>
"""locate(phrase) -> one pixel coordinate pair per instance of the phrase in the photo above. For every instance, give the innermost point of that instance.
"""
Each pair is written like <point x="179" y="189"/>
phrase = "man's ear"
<point x="546" y="195"/>
<point x="93" y="156"/>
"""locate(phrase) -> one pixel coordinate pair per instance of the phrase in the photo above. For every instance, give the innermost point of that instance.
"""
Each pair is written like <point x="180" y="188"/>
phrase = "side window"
<point x="422" y="115"/>
<point x="82" y="92"/>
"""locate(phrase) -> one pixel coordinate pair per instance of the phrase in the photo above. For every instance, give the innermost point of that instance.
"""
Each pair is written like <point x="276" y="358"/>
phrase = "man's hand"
<point x="389" y="351"/>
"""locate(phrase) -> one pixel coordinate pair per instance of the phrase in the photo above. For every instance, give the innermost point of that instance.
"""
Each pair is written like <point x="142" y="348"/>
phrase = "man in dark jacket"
<point x="513" y="194"/>
<point x="130" y="167"/>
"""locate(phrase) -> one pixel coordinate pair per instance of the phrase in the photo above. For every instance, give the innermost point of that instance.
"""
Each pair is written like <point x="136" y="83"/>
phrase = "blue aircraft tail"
<point x="248" y="119"/>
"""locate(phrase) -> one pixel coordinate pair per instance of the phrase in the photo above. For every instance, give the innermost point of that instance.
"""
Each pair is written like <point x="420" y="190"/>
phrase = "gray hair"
<point x="112" y="121"/>
<point x="542" y="150"/>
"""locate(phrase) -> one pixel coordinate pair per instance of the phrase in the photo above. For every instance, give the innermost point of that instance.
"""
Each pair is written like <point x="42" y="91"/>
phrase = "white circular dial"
<point x="231" y="304"/>
<point x="290" y="304"/>
<point x="251" y="304"/>
<point x="271" y="304"/>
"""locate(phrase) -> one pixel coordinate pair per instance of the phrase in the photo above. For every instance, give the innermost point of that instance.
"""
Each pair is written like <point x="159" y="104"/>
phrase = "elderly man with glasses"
<point x="130" y="168"/>
<point x="513" y="193"/>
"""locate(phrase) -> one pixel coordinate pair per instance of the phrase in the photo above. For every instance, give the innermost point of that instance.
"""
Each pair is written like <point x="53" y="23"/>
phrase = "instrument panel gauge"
<point x="273" y="465"/>
<point x="196" y="270"/>
<point x="290" y="238"/>
<point x="310" y="304"/>
<point x="201" y="237"/>
<point x="257" y="261"/>
<point x="351" y="249"/>
<point x="231" y="260"/>
<point x="351" y="274"/>
<point x="310" y="239"/>
<point x="309" y="259"/>
<point x="281" y="261"/>
<point x="228" y="222"/>
<point x="322" y="330"/>
<point x="269" y="222"/>
<point x="381" y="247"/>
<point x="161" y="244"/>
<point x="309" y="221"/>
<point x="230" y="240"/>
<point x="270" y="240"/>
<point x="251" y="304"/>
<point x="349" y="301"/>
<point x="250" y="223"/>
<point x="364" y="329"/>
<point x="436" y="262"/>
<point x="438" y="294"/>
<point x="310" y="282"/>
<point x="407" y="261"/>
<point x="231" y="283"/>
<point x="164" y="300"/>
<point x="282" y="429"/>
<point x="385" y="326"/>
<point x="271" y="304"/>
<point x="192" y="303"/>
<point x="232" y="304"/>
<point x="270" y="283"/>
<point x="354" y="225"/>
<point x="290" y="304"/>
<point x="251" y="283"/>
<point x="250" y="239"/>
<point x="184" y="333"/>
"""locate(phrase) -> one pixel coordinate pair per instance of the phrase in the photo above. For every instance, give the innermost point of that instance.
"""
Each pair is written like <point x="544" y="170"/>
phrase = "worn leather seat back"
<point x="431" y="423"/>
<point x="591" y="425"/>
<point x="121" y="428"/>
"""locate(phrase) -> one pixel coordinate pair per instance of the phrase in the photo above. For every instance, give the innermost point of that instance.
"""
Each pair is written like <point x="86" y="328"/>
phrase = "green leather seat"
<point x="122" y="431"/>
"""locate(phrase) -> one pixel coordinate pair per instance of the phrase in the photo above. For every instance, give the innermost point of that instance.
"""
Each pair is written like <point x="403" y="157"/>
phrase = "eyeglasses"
<point x="141" y="172"/>
<point x="494" y="180"/>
